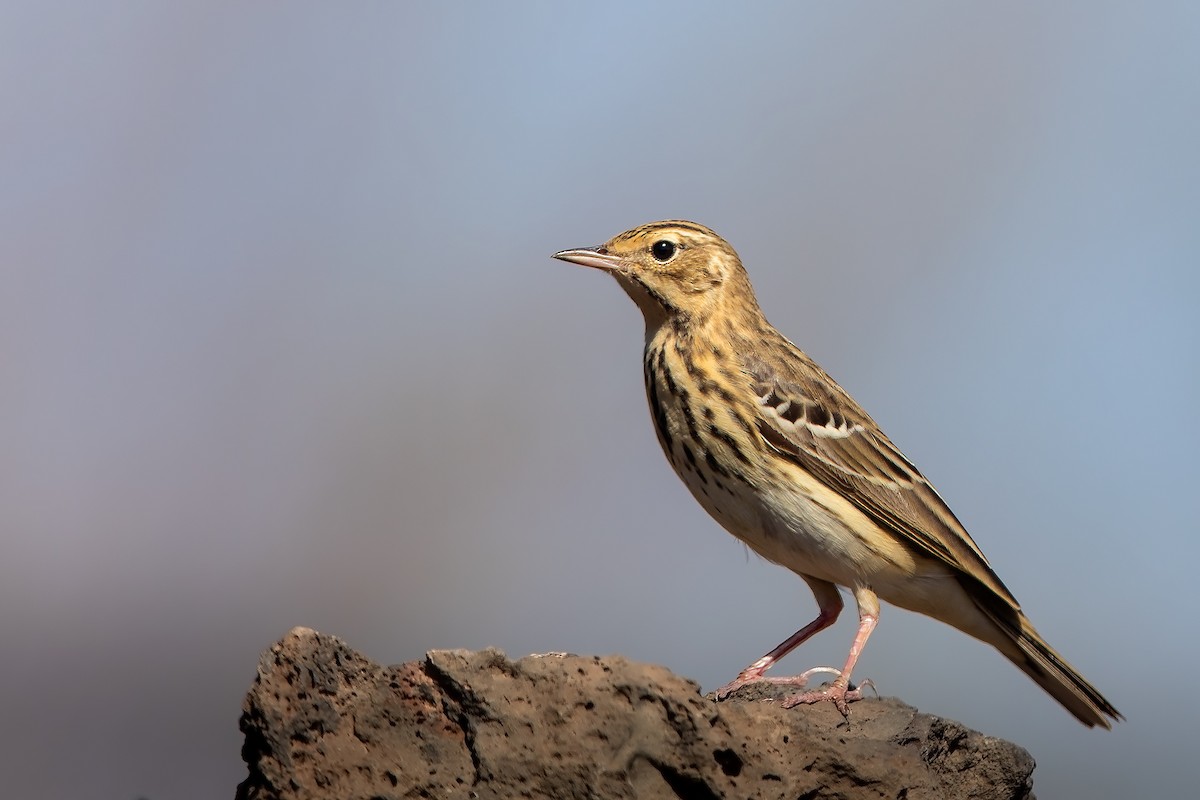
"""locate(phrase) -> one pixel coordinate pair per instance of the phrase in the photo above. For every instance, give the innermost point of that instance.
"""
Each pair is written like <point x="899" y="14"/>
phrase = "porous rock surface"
<point x="323" y="721"/>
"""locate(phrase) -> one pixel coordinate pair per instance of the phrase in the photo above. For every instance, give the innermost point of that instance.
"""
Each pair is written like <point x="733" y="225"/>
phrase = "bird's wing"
<point x="809" y="418"/>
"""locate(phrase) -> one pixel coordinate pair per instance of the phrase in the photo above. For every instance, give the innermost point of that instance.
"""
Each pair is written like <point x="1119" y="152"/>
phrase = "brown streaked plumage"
<point x="783" y="458"/>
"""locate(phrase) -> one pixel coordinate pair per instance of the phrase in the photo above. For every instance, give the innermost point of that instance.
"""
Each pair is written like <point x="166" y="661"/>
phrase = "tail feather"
<point x="1037" y="659"/>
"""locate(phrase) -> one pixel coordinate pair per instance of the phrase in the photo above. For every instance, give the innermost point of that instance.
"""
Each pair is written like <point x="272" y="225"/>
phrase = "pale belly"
<point x="828" y="539"/>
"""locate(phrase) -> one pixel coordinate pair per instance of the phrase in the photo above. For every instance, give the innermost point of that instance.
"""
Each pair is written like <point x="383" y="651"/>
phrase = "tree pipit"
<point x="785" y="460"/>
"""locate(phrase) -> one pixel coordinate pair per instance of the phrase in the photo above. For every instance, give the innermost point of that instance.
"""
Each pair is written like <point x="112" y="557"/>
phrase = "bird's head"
<point x="676" y="271"/>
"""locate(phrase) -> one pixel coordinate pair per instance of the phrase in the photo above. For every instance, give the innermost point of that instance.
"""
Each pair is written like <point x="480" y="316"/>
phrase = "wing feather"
<point x="812" y="420"/>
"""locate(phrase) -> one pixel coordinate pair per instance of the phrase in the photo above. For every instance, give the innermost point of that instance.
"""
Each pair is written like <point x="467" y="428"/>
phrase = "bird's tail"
<point x="1037" y="659"/>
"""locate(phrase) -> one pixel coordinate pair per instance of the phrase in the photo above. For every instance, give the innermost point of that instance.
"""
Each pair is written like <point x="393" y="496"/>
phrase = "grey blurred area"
<point x="281" y="343"/>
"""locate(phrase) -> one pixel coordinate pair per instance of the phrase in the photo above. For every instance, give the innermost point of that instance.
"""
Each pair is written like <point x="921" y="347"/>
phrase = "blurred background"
<point x="281" y="343"/>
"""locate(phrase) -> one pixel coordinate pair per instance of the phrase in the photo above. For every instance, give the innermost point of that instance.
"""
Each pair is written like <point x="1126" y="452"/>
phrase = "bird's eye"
<point x="662" y="250"/>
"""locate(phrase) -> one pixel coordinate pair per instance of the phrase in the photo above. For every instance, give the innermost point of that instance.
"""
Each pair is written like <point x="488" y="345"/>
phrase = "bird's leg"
<point x="839" y="692"/>
<point x="829" y="601"/>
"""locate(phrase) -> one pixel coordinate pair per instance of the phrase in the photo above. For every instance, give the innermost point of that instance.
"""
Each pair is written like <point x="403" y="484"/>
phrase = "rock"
<point x="322" y="721"/>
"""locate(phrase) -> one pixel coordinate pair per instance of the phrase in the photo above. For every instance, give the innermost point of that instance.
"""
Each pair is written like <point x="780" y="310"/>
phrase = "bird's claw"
<point x="745" y="678"/>
<point x="750" y="676"/>
<point x="840" y="693"/>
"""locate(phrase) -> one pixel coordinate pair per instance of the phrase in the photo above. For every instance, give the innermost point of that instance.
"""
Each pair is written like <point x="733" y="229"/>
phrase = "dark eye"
<point x="662" y="250"/>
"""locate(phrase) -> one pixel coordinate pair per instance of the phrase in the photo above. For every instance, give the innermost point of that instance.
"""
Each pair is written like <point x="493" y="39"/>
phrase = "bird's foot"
<point x="840" y="693"/>
<point x="752" y="675"/>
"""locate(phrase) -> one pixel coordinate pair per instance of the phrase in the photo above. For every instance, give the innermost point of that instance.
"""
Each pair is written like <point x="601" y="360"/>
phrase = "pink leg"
<point x="839" y="692"/>
<point x="829" y="601"/>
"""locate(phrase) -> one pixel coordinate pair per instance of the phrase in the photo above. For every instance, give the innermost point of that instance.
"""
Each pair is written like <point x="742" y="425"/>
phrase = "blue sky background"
<point x="281" y="343"/>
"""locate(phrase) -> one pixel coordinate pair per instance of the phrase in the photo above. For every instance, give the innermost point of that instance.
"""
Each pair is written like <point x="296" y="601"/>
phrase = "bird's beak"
<point x="591" y="257"/>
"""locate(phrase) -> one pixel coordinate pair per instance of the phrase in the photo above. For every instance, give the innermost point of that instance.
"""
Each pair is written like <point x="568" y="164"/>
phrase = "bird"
<point x="783" y="458"/>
